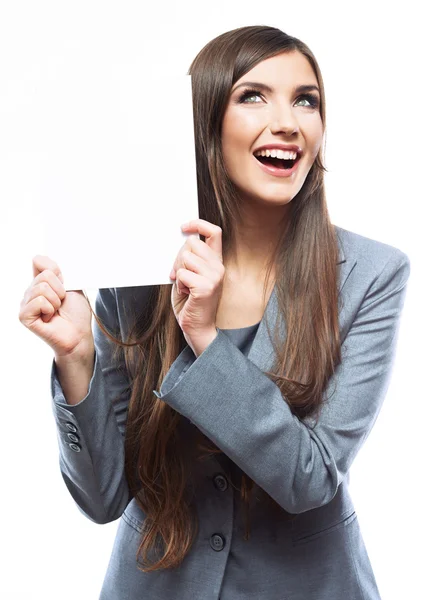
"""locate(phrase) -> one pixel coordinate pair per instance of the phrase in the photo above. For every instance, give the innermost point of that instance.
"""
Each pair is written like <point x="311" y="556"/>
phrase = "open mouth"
<point x="278" y="163"/>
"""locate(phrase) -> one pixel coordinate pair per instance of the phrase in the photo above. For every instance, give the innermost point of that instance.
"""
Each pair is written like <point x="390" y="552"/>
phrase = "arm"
<point x="243" y="412"/>
<point x="74" y="375"/>
<point x="93" y="465"/>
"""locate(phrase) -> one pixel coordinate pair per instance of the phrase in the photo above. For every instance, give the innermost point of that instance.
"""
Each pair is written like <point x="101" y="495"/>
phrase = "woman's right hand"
<point x="62" y="319"/>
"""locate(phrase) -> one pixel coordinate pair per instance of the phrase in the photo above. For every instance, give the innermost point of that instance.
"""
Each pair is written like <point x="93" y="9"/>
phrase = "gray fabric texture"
<point x="310" y="547"/>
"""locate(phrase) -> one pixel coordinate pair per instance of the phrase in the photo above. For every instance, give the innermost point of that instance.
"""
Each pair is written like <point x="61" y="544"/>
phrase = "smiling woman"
<point x="275" y="107"/>
<point x="227" y="451"/>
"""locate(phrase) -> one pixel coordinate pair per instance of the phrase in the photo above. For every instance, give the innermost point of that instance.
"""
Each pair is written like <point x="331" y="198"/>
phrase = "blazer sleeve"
<point x="91" y="433"/>
<point x="244" y="413"/>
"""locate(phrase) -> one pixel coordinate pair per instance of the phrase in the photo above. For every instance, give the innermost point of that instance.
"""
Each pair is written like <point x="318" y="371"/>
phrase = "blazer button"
<point x="217" y="542"/>
<point x="72" y="437"/>
<point x="220" y="482"/>
<point x="71" y="426"/>
<point x="75" y="447"/>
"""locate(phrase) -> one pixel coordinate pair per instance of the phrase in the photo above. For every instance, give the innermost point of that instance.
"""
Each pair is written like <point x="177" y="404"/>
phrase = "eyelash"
<point x="311" y="97"/>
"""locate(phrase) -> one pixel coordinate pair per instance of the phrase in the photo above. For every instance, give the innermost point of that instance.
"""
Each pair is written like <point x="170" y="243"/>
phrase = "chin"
<point x="273" y="199"/>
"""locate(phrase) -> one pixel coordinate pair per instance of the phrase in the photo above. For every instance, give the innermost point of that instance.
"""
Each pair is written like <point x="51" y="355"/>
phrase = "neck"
<point x="255" y="240"/>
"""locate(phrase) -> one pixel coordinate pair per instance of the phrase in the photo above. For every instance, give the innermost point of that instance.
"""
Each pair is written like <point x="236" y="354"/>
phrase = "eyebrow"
<point x="266" y="88"/>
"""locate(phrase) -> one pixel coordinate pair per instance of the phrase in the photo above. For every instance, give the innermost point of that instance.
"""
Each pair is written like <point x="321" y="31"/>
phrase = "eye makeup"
<point x="312" y="98"/>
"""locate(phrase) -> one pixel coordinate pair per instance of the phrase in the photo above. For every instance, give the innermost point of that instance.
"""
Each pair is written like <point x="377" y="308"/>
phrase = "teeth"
<point x="277" y="154"/>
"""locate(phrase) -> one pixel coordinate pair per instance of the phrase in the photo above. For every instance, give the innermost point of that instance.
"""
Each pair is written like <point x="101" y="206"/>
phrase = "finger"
<point x="43" y="288"/>
<point x="181" y="288"/>
<point x="212" y="233"/>
<point x="198" y="248"/>
<point x="194" y="281"/>
<point x="189" y="260"/>
<point x="40" y="263"/>
<point x="48" y="276"/>
<point x="196" y="264"/>
<point x="201" y="249"/>
<point x="37" y="308"/>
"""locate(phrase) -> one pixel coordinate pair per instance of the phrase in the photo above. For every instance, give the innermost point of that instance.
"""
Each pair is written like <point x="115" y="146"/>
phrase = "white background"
<point x="377" y="62"/>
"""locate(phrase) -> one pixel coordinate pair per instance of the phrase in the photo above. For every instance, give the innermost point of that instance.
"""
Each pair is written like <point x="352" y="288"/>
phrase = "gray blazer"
<point x="311" y="549"/>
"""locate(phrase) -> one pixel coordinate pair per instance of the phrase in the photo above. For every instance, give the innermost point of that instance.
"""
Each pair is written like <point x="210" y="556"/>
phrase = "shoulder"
<point x="371" y="256"/>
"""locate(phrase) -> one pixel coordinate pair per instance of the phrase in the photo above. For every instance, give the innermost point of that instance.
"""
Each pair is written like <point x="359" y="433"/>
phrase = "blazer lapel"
<point x="261" y="352"/>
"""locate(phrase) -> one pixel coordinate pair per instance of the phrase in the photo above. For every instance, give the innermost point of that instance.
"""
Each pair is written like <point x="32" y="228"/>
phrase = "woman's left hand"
<point x="199" y="274"/>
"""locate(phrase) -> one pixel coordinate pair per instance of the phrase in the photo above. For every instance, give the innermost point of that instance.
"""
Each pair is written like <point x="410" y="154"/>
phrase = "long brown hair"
<point x="157" y="466"/>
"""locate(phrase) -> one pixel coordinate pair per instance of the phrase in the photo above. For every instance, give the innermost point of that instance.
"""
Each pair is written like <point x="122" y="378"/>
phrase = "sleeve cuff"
<point x="184" y="382"/>
<point x="177" y="370"/>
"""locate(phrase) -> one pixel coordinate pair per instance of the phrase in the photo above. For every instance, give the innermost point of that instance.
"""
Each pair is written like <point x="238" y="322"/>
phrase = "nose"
<point x="283" y="120"/>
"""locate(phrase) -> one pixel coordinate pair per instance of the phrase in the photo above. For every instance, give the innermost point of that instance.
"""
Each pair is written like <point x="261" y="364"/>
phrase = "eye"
<point x="313" y="101"/>
<point x="312" y="98"/>
<point x="248" y="94"/>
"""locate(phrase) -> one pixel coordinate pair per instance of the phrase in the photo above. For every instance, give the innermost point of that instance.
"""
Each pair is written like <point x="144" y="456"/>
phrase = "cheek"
<point x="239" y="130"/>
<point x="316" y="134"/>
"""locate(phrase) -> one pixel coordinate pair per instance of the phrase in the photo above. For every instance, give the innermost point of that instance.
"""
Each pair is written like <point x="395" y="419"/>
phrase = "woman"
<point x="219" y="417"/>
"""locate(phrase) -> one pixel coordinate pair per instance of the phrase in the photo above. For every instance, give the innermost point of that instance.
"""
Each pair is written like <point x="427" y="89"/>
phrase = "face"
<point x="283" y="115"/>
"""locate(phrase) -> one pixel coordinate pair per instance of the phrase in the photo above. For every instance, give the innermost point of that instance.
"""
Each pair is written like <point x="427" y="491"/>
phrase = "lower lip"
<point x="278" y="172"/>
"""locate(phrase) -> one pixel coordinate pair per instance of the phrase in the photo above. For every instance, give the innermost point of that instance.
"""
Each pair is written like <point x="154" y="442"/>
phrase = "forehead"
<point x="288" y="68"/>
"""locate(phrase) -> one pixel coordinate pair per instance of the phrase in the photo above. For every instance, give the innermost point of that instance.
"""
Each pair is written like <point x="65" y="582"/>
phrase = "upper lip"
<point x="288" y="147"/>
